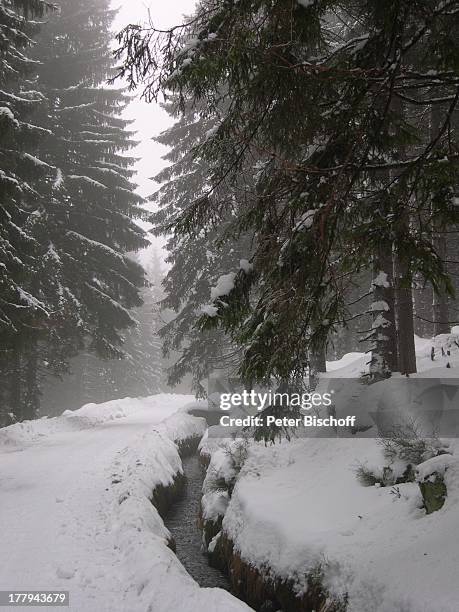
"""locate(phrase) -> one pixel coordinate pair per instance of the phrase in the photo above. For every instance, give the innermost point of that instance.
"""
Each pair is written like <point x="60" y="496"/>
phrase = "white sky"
<point x="150" y="119"/>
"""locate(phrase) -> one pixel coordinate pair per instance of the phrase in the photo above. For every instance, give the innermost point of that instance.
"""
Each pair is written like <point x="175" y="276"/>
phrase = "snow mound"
<point x="353" y="365"/>
<point x="87" y="417"/>
<point x="182" y="426"/>
<point x="76" y="512"/>
<point x="154" y="578"/>
<point x="208" y="446"/>
<point x="299" y="505"/>
<point x="435" y="465"/>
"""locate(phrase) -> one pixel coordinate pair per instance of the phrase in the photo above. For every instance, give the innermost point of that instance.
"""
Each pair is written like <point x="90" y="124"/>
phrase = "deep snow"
<point x="75" y="512"/>
<point x="299" y="505"/>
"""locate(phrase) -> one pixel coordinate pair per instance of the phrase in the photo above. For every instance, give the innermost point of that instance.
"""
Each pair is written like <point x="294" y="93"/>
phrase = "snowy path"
<point x="56" y="503"/>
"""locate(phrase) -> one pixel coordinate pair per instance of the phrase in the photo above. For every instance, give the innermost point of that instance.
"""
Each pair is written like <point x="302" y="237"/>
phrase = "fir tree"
<point x="87" y="224"/>
<point x="331" y="96"/>
<point x="22" y="189"/>
<point x="139" y="374"/>
<point x="196" y="261"/>
<point x="72" y="205"/>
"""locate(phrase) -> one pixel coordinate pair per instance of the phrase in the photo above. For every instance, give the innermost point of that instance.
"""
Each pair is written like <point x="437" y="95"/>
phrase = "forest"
<point x="316" y="168"/>
<point x="308" y="205"/>
<point x="71" y="289"/>
<point x="310" y="198"/>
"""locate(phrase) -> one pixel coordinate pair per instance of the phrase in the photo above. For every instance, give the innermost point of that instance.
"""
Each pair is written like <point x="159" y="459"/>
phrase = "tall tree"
<point x="84" y="224"/>
<point x="91" y="378"/>
<point x="22" y="189"/>
<point x="198" y="261"/>
<point x="440" y="301"/>
<point x="90" y="217"/>
<point x="332" y="108"/>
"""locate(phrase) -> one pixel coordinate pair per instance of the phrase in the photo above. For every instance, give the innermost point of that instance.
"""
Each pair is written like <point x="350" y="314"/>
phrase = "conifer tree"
<point x="70" y="284"/>
<point x="92" y="379"/>
<point x="87" y="223"/>
<point x="198" y="261"/>
<point x="139" y="373"/>
<point x="336" y="112"/>
<point x="22" y="189"/>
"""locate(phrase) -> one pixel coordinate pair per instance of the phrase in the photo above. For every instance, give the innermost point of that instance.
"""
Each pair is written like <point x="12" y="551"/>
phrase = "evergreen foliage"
<point x="22" y="179"/>
<point x="328" y="102"/>
<point x="197" y="261"/>
<point x="92" y="379"/>
<point x="67" y="201"/>
<point x="89" y="219"/>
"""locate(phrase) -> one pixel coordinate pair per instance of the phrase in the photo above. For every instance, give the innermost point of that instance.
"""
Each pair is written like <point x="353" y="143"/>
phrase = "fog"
<point x="150" y="119"/>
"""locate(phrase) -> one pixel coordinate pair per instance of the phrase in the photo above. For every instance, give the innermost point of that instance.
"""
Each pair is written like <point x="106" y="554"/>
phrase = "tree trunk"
<point x="32" y="393"/>
<point x="405" y="316"/>
<point x="404" y="280"/>
<point x="384" y="355"/>
<point x="319" y="360"/>
<point x="15" y="384"/>
<point x="423" y="297"/>
<point x="317" y="364"/>
<point x="440" y="308"/>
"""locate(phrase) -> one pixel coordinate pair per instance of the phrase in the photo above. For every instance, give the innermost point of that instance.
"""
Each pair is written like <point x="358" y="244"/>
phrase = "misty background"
<point x="150" y="118"/>
<point x="91" y="379"/>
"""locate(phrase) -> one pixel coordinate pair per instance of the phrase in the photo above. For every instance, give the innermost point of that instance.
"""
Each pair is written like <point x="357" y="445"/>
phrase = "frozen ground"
<point x="353" y="365"/>
<point x="299" y="505"/>
<point x="75" y="513"/>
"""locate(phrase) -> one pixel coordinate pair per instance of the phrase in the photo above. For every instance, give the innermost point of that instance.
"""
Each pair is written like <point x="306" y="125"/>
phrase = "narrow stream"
<point x="182" y="522"/>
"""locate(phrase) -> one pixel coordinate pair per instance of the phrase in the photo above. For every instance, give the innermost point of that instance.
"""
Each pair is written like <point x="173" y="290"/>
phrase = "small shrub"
<point x="366" y="477"/>
<point x="238" y="453"/>
<point x="215" y="482"/>
<point x="406" y="444"/>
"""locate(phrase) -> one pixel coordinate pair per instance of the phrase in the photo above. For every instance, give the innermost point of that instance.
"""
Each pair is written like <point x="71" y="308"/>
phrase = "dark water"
<point x="182" y="522"/>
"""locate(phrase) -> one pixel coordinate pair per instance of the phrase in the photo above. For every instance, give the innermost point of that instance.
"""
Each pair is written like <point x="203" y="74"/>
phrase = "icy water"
<point x="182" y="522"/>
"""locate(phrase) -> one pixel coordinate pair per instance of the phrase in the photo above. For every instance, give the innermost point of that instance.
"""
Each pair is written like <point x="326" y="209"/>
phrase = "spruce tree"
<point x="92" y="379"/>
<point x="333" y="96"/>
<point x="197" y="261"/>
<point x="87" y="223"/>
<point x="22" y="190"/>
<point x="139" y="373"/>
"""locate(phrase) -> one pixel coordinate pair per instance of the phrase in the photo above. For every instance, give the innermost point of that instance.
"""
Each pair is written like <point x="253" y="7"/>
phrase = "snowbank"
<point x="182" y="426"/>
<point x="208" y="446"/>
<point x="298" y="506"/>
<point x="76" y="513"/>
<point x="220" y="476"/>
<point x="155" y="578"/>
<point x="353" y="365"/>
<point x="87" y="417"/>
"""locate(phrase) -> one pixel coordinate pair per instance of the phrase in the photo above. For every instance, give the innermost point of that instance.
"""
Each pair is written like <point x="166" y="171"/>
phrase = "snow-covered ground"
<point x="75" y="512"/>
<point x="353" y="365"/>
<point x="299" y="505"/>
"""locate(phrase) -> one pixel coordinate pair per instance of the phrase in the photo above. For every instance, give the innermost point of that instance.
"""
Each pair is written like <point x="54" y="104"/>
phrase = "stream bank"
<point x="182" y="522"/>
<point x="222" y="566"/>
<point x="223" y="519"/>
